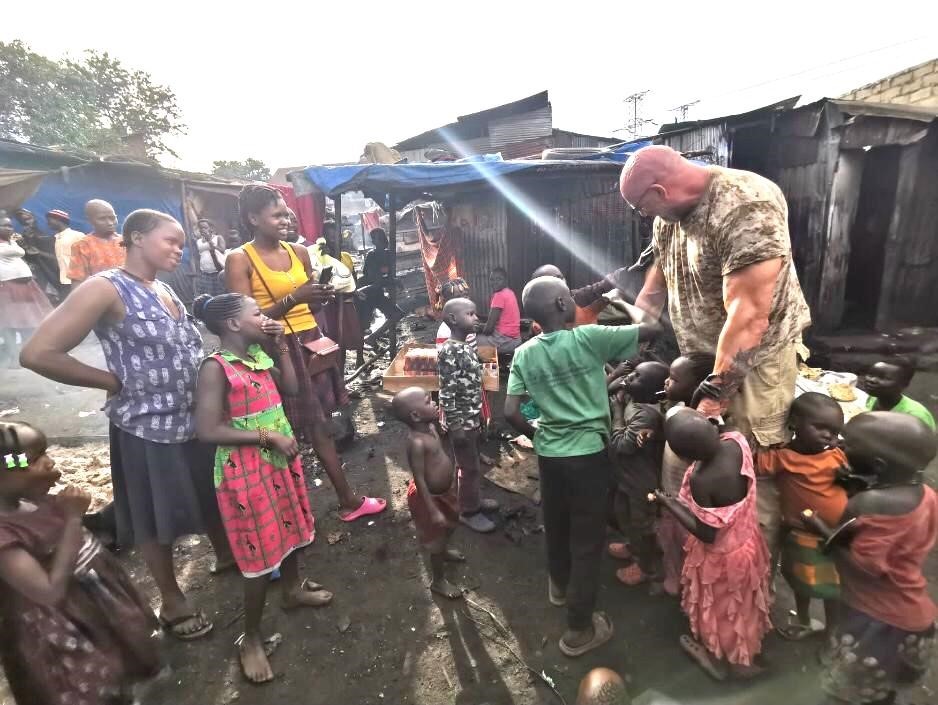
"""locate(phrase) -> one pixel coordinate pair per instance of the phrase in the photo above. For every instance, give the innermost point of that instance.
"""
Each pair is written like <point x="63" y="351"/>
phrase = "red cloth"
<point x="310" y="210"/>
<point x="371" y="220"/>
<point x="440" y="257"/>
<point x="427" y="531"/>
<point x="883" y="577"/>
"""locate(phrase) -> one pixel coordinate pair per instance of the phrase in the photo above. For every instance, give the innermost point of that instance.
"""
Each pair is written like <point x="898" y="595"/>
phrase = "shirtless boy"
<point x="431" y="495"/>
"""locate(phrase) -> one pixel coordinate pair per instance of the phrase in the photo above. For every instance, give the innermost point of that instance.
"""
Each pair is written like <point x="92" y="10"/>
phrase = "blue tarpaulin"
<point x="375" y="180"/>
<point x="126" y="187"/>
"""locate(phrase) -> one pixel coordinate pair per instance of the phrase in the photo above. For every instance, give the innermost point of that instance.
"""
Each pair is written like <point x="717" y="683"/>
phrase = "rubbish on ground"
<point x="9" y="412"/>
<point x="523" y="441"/>
<point x="84" y="414"/>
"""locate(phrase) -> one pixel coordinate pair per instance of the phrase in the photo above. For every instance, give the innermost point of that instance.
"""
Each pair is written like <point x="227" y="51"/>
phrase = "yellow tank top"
<point x="299" y="317"/>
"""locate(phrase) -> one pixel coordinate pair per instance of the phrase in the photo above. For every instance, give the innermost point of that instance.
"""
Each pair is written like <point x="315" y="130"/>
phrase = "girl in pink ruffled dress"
<point x="725" y="579"/>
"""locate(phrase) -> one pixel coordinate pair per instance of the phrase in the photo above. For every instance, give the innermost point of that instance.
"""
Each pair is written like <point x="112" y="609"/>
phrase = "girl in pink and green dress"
<point x="258" y="473"/>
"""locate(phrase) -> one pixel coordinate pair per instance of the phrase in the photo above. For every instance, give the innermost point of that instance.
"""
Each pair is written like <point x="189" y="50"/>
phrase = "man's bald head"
<point x="102" y="217"/>
<point x="547" y="270"/>
<point x="658" y="182"/>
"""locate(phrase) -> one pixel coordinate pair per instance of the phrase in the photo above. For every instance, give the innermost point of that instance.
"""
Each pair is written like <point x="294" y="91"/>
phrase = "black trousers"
<point x="574" y="499"/>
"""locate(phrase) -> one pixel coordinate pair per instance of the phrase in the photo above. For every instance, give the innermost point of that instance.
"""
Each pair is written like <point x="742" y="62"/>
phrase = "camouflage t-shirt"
<point x="742" y="219"/>
<point x="460" y="373"/>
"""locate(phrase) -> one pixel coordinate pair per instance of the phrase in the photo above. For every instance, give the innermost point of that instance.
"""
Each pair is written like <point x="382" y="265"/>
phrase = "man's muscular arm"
<point x="654" y="293"/>
<point x="747" y="298"/>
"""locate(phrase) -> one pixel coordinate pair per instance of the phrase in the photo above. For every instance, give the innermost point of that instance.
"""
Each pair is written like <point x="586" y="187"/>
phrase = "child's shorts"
<point x="428" y="532"/>
<point x="809" y="571"/>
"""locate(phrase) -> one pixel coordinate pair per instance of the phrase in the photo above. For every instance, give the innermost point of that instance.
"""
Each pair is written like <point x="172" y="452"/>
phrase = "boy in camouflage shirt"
<point x="460" y="373"/>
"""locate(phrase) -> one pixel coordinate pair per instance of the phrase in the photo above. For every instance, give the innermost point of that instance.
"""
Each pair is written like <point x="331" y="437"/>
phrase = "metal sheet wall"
<point x="482" y="223"/>
<point x="707" y="138"/>
<point x="910" y="287"/>
<point x="517" y="128"/>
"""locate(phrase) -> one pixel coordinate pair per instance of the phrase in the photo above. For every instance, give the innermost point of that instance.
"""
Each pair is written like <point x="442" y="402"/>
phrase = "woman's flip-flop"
<point x="173" y="625"/>
<point x="602" y="632"/>
<point x="369" y="505"/>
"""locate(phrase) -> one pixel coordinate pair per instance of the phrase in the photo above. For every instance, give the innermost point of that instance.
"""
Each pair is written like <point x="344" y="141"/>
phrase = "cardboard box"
<point x="395" y="380"/>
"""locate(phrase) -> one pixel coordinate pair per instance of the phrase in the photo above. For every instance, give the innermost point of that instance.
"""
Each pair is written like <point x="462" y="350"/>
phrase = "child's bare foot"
<point x="452" y="555"/>
<point x="307" y="594"/>
<point x="696" y="651"/>
<point x="442" y="586"/>
<point x="252" y="651"/>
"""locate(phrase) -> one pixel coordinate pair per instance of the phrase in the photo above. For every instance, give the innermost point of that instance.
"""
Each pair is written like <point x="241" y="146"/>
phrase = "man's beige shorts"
<point x="760" y="412"/>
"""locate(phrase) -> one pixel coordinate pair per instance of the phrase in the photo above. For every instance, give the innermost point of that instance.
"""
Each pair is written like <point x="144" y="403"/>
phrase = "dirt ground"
<point x="385" y="639"/>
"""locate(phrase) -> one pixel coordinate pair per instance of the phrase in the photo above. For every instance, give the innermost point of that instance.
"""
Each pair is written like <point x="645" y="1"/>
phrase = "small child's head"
<point x="548" y="270"/>
<point x="498" y="279"/>
<point x="645" y="381"/>
<point x="687" y="372"/>
<point x="414" y="405"/>
<point x="460" y="315"/>
<point x="231" y="315"/>
<point x="889" y="378"/>
<point x="548" y="301"/>
<point x="692" y="435"/>
<point x="602" y="686"/>
<point x="815" y="421"/>
<point x="888" y="446"/>
<point x="26" y="472"/>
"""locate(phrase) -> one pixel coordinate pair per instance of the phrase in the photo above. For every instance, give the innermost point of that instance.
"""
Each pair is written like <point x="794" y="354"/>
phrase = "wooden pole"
<point x="337" y="243"/>
<point x="392" y="243"/>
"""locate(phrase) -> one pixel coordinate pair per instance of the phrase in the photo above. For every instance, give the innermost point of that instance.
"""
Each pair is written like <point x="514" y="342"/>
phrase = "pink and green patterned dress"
<point x="262" y="495"/>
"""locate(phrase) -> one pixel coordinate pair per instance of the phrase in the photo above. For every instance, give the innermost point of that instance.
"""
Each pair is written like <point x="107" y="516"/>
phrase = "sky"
<point x="298" y="83"/>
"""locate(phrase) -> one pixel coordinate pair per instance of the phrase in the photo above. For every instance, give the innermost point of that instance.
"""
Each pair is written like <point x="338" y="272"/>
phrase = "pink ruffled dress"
<point x="726" y="583"/>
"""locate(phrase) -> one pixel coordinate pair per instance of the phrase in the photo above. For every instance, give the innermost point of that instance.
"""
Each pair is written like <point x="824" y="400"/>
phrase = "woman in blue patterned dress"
<point x="162" y="476"/>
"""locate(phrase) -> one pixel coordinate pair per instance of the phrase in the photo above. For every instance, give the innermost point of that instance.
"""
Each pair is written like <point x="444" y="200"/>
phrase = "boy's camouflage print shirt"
<point x="460" y="373"/>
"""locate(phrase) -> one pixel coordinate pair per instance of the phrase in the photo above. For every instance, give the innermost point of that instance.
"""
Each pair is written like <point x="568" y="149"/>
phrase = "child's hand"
<point x="74" y="501"/>
<point x="624" y="368"/>
<point x="284" y="444"/>
<point x="643" y="436"/>
<point x="272" y="328"/>
<point x="438" y="518"/>
<point x="659" y="496"/>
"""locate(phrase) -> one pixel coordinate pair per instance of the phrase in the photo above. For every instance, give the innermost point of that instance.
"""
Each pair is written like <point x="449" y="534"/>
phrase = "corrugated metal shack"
<point x="861" y="181"/>
<point x="518" y="129"/>
<point x="567" y="213"/>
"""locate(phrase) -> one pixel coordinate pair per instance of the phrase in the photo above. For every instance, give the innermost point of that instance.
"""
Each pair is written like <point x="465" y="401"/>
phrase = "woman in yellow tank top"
<point x="279" y="276"/>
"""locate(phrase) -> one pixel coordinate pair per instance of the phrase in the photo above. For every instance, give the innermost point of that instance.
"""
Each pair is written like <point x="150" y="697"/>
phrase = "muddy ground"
<point x="385" y="639"/>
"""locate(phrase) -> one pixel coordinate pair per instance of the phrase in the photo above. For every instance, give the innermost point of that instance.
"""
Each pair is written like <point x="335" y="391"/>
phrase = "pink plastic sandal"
<point x="369" y="505"/>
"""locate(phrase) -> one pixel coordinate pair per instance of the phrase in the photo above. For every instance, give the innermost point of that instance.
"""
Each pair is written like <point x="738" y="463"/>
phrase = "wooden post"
<point x="392" y="243"/>
<point x="337" y="244"/>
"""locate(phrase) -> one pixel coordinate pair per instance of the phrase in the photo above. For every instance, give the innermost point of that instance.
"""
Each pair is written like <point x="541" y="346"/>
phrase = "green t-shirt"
<point x="906" y="406"/>
<point x="563" y="374"/>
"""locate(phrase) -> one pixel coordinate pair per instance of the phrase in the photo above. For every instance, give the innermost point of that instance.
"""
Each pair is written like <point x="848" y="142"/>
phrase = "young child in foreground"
<point x="725" y="578"/>
<point x="258" y="472"/>
<point x="636" y="444"/>
<point x="885" y="383"/>
<point x="460" y="372"/>
<point x="885" y="637"/>
<point x="806" y="471"/>
<point x="562" y="372"/>
<point x="75" y="628"/>
<point x="686" y="374"/>
<point x="431" y="495"/>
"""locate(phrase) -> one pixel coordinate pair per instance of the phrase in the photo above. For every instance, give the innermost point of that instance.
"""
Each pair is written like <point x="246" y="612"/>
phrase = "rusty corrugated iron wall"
<point x="588" y="232"/>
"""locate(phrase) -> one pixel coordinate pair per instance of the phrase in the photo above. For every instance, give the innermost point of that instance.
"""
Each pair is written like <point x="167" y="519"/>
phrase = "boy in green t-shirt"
<point x="885" y="383"/>
<point x="562" y="372"/>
